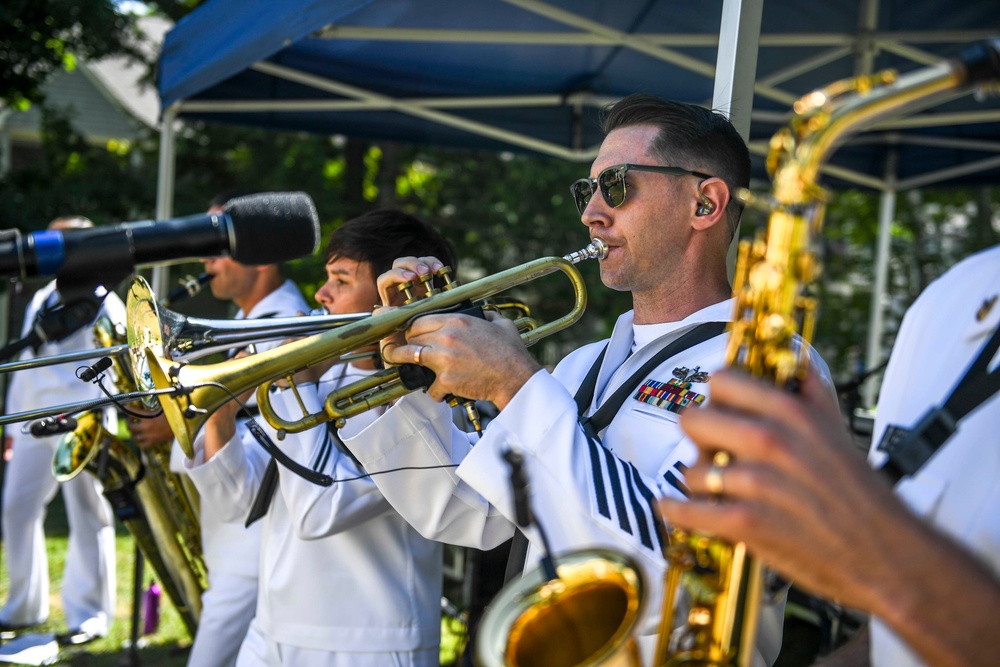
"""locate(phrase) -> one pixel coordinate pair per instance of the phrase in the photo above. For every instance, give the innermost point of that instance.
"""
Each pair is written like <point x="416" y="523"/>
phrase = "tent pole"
<point x="165" y="190"/>
<point x="886" y="213"/>
<point x="735" y="73"/>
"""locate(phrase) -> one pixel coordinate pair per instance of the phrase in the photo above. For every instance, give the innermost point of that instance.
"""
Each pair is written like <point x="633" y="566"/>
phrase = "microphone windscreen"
<point x="273" y="227"/>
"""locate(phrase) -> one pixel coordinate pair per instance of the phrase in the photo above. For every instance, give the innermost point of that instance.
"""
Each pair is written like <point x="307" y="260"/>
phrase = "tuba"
<point x="716" y="586"/>
<point x="158" y="507"/>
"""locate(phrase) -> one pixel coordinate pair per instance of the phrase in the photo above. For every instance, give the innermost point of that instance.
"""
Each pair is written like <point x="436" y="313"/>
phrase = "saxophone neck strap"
<point x="910" y="449"/>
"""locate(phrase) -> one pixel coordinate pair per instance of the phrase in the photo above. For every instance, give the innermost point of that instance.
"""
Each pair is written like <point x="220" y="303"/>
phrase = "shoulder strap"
<point x="584" y="397"/>
<point x="909" y="450"/>
<point x="603" y="416"/>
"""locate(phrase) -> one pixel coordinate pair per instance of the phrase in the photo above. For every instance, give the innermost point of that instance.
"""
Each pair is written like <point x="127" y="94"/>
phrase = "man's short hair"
<point x="380" y="236"/>
<point x="71" y="222"/>
<point x="690" y="137"/>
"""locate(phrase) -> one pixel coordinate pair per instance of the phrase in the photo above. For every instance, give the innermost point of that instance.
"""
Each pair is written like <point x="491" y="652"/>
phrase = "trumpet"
<point x="200" y="390"/>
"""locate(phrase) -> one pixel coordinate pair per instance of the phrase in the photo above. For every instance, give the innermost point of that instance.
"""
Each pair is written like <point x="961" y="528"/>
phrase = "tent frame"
<point x="734" y="75"/>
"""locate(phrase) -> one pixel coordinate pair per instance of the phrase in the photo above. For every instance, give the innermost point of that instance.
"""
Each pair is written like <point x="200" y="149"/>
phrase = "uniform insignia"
<point x="673" y="395"/>
<point x="687" y="375"/>
<point x="985" y="309"/>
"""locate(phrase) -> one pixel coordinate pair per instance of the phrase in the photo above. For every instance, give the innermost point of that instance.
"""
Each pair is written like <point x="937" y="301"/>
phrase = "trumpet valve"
<point x="428" y="282"/>
<point x="406" y="288"/>
<point x="445" y="273"/>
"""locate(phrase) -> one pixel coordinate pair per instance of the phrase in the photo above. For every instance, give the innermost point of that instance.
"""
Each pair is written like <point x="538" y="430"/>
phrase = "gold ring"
<point x="713" y="479"/>
<point x="417" y="353"/>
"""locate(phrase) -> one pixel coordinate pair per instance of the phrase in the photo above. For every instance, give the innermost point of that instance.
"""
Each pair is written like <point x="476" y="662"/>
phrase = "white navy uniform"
<point x="585" y="494"/>
<point x="229" y="603"/>
<point x="88" y="581"/>
<point x="956" y="490"/>
<point x="345" y="581"/>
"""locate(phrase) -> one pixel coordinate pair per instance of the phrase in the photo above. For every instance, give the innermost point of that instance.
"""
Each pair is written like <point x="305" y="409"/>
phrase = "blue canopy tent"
<point x="531" y="75"/>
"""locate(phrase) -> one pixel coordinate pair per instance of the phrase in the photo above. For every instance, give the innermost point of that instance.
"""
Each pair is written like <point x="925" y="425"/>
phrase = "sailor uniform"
<point x="230" y="601"/>
<point x="344" y="579"/>
<point x="586" y="492"/>
<point x="88" y="581"/>
<point x="956" y="490"/>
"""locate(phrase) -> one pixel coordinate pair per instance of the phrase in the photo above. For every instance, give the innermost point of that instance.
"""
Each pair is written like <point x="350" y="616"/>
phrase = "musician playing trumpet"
<point x="660" y="196"/>
<point x="345" y="581"/>
<point x="230" y="601"/>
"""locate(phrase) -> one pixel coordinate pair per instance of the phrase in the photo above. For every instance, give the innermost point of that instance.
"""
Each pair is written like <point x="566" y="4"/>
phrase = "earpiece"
<point x="704" y="208"/>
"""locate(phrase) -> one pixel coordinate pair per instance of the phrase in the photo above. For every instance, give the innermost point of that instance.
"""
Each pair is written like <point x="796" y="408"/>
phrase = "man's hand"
<point x="149" y="432"/>
<point x="797" y="491"/>
<point x="472" y="358"/>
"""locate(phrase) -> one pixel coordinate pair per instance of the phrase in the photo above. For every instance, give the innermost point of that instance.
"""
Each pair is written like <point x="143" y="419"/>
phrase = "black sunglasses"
<point x="611" y="182"/>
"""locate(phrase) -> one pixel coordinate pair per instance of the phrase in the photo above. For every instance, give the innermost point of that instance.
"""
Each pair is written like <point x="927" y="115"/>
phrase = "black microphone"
<point x="91" y="372"/>
<point x="52" y="426"/>
<point x="264" y="228"/>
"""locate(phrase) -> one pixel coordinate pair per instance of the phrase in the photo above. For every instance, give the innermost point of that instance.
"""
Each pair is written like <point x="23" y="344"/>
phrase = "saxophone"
<point x="716" y="584"/>
<point x="157" y="506"/>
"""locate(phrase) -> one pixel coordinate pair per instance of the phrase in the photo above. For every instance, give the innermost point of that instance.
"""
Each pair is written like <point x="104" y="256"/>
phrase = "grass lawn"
<point x="165" y="648"/>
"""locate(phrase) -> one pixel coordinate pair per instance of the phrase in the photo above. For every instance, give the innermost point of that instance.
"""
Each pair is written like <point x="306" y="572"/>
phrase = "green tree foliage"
<point x="106" y="183"/>
<point x="39" y="36"/>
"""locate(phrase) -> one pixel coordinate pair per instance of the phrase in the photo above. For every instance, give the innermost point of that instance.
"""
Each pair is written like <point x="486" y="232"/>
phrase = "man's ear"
<point x="710" y="206"/>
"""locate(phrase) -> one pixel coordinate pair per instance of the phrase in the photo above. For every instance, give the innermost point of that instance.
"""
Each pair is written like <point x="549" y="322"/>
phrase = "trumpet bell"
<point x="585" y="617"/>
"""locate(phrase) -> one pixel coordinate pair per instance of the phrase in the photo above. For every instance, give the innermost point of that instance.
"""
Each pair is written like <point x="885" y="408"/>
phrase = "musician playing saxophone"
<point x="660" y="196"/>
<point x="922" y="559"/>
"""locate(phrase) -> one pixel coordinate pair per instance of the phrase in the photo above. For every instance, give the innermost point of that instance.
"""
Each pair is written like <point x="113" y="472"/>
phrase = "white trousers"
<point x="258" y="651"/>
<point x="88" y="581"/>
<point x="227" y="608"/>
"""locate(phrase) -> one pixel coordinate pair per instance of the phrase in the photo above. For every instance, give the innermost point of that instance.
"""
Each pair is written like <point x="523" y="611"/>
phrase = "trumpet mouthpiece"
<point x="597" y="249"/>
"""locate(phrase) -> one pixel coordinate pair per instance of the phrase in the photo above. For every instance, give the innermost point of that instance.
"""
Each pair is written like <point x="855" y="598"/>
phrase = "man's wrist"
<point x="519" y="377"/>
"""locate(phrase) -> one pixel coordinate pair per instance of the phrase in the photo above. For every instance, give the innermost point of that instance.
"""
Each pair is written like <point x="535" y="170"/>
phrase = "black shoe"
<point x="10" y="630"/>
<point x="76" y="638"/>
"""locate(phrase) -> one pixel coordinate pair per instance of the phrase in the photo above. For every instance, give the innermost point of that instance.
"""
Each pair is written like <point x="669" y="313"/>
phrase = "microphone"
<point x="264" y="228"/>
<point x="91" y="372"/>
<point x="52" y="426"/>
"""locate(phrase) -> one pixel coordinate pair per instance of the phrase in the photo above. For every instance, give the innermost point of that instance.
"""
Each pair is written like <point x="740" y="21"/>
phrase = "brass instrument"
<point x="720" y="581"/>
<point x="158" y="507"/>
<point x="188" y="338"/>
<point x="586" y="616"/>
<point x="203" y="389"/>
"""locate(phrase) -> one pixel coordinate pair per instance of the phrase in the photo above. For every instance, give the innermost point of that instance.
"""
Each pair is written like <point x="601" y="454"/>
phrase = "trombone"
<point x="200" y="390"/>
<point x="181" y="338"/>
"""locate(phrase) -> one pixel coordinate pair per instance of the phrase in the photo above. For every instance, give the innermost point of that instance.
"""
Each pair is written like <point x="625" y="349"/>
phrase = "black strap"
<point x="268" y="486"/>
<point x="909" y="450"/>
<point x="603" y="416"/>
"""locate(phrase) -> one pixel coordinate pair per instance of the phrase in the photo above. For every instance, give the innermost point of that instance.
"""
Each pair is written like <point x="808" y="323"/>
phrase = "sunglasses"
<point x="611" y="182"/>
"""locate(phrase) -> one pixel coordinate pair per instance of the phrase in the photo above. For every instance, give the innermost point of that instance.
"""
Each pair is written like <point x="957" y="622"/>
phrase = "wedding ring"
<point x="417" y="353"/>
<point x="713" y="480"/>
